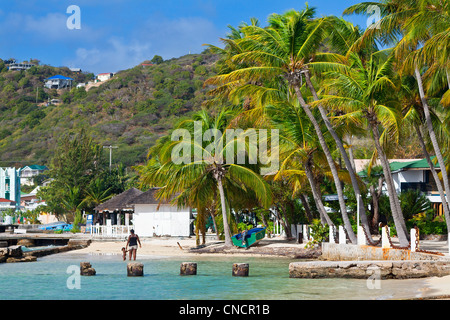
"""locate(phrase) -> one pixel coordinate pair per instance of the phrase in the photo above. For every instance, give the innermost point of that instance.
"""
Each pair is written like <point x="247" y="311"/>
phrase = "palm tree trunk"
<point x="445" y="204"/>
<point x="226" y="226"/>
<point x="393" y="197"/>
<point x="331" y="163"/>
<point x="306" y="206"/>
<point x="348" y="163"/>
<point x="316" y="196"/>
<point x="432" y="134"/>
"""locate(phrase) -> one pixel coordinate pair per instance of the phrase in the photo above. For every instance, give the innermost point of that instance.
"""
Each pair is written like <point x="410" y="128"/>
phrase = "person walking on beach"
<point x="132" y="244"/>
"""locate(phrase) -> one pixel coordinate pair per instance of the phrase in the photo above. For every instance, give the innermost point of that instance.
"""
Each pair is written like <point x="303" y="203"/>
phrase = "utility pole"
<point x="110" y="154"/>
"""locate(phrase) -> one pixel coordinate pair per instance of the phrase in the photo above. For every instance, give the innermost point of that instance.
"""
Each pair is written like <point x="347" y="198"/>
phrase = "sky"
<point x="112" y="35"/>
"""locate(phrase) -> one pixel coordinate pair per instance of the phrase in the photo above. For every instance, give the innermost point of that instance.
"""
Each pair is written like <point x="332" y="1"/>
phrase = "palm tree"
<point x="419" y="31"/>
<point x="299" y="150"/>
<point x="280" y="54"/>
<point x="201" y="174"/>
<point x="96" y="193"/>
<point x="364" y="93"/>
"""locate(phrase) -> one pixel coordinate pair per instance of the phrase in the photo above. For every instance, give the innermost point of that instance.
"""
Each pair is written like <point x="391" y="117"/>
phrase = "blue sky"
<point x="119" y="34"/>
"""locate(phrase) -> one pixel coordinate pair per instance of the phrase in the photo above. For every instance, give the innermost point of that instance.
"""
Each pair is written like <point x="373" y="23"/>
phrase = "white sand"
<point x="173" y="247"/>
<point x="438" y="286"/>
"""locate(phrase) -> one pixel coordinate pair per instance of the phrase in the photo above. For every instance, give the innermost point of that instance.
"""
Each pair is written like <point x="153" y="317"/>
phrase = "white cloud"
<point x="168" y="38"/>
<point x="112" y="56"/>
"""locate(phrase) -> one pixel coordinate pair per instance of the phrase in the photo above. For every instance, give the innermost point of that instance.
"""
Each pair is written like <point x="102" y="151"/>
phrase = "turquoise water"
<point x="47" y="279"/>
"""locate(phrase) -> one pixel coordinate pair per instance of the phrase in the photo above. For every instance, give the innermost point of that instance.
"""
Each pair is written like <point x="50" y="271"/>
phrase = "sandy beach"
<point x="187" y="247"/>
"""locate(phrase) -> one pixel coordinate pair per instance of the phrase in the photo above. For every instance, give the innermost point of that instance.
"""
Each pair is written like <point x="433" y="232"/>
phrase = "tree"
<point x="280" y="53"/>
<point x="77" y="160"/>
<point x="363" y="92"/>
<point x="157" y="59"/>
<point x="419" y="33"/>
<point x="197" y="173"/>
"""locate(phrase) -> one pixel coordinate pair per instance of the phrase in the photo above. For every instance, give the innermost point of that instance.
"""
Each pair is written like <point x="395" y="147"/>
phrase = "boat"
<point x="253" y="236"/>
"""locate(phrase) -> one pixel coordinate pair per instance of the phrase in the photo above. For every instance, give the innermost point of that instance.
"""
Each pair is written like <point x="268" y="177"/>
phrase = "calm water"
<point x="269" y="279"/>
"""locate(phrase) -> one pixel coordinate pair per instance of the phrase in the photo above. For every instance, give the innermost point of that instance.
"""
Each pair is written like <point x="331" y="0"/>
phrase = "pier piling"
<point x="135" y="269"/>
<point x="188" y="268"/>
<point x="240" y="269"/>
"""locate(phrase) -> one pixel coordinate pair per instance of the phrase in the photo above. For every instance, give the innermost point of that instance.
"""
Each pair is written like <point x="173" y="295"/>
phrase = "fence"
<point x="110" y="231"/>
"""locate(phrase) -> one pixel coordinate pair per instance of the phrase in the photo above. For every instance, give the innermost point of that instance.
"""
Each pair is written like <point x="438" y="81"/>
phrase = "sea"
<point x="56" y="277"/>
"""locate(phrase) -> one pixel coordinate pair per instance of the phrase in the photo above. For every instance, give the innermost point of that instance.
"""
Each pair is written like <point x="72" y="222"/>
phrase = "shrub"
<point x="319" y="233"/>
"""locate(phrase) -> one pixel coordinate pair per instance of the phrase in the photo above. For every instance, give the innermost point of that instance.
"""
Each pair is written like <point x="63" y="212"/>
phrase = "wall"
<point x="168" y="220"/>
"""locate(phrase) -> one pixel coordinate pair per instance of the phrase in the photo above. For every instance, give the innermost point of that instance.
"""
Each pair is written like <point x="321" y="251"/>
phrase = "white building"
<point x="104" y="76"/>
<point x="27" y="173"/>
<point x="415" y="174"/>
<point x="10" y="184"/>
<point x="153" y="217"/>
<point x="58" y="82"/>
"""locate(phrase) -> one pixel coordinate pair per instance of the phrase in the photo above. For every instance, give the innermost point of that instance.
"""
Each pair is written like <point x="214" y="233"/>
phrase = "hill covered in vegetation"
<point x="130" y="111"/>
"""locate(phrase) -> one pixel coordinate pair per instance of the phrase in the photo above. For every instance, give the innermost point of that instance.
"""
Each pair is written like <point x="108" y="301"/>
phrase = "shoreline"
<point x="435" y="288"/>
<point x="186" y="247"/>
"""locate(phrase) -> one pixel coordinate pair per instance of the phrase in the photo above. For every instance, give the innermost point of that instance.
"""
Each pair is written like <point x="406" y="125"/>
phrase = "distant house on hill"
<point x="14" y="66"/>
<point x="58" y="82"/>
<point x="104" y="76"/>
<point x="27" y="173"/>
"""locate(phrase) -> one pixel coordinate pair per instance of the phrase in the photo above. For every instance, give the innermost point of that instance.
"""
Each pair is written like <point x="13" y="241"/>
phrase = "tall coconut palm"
<point x="420" y="34"/>
<point x="280" y="54"/>
<point x="203" y="171"/>
<point x="364" y="93"/>
<point x="299" y="150"/>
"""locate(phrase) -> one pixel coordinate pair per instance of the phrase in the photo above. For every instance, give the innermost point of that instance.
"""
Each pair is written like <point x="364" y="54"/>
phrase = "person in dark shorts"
<point x="132" y="244"/>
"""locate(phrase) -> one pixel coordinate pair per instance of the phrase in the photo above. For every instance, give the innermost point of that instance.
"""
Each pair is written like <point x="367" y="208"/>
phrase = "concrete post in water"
<point x="385" y="238"/>
<point x="135" y="269"/>
<point x="188" y="268"/>
<point x="361" y="236"/>
<point x="240" y="269"/>
<point x="342" y="235"/>
<point x="86" y="269"/>
<point x="332" y="234"/>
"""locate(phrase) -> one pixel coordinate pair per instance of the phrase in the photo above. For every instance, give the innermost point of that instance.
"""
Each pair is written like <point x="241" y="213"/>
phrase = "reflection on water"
<point x="48" y="278"/>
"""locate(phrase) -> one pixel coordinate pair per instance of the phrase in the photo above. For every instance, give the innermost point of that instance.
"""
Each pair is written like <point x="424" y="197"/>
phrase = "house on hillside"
<point x="104" y="76"/>
<point x="27" y="173"/>
<point x="415" y="174"/>
<point x="14" y="66"/>
<point x="153" y="217"/>
<point x="58" y="82"/>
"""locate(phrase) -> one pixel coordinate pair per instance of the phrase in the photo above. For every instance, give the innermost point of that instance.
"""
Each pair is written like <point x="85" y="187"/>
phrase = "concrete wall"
<point x="350" y="252"/>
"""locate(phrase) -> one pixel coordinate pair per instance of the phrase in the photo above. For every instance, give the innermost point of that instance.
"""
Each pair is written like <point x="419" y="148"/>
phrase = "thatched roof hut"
<point x="120" y="202"/>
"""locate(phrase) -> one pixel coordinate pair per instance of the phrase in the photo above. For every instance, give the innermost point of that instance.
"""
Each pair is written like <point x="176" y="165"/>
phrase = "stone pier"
<point x="365" y="269"/>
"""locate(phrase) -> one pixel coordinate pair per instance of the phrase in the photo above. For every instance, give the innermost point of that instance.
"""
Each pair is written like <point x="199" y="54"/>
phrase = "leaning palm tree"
<point x="419" y="31"/>
<point x="206" y="169"/>
<point x="299" y="151"/>
<point x="363" y="92"/>
<point x="280" y="54"/>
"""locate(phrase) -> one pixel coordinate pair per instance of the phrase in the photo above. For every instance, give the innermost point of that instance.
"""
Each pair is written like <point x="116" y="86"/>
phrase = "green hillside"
<point x="131" y="111"/>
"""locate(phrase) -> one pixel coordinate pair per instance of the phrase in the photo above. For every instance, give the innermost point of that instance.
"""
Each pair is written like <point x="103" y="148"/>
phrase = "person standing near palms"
<point x="132" y="244"/>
